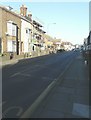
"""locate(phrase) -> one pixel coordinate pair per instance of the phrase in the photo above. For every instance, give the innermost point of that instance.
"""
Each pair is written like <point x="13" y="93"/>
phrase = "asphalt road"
<point x="23" y="82"/>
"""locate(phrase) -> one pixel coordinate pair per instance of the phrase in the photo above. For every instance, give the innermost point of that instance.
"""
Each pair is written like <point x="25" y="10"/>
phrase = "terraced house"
<point x="19" y="33"/>
<point x="10" y="32"/>
<point x="38" y="38"/>
<point x="26" y="31"/>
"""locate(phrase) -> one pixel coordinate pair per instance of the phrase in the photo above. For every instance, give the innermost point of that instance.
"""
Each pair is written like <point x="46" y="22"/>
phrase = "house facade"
<point x="20" y="34"/>
<point x="67" y="46"/>
<point x="10" y="33"/>
<point x="26" y="36"/>
<point x="26" y="30"/>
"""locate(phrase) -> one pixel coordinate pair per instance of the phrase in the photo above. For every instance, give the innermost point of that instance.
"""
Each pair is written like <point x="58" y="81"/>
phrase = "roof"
<point x="36" y="23"/>
<point x="18" y="15"/>
<point x="66" y="43"/>
<point x="41" y="30"/>
<point x="4" y="8"/>
<point x="26" y="19"/>
<point x="57" y="40"/>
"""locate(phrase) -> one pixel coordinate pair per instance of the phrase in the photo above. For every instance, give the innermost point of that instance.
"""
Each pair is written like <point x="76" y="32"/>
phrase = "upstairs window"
<point x="11" y="29"/>
<point x="26" y="31"/>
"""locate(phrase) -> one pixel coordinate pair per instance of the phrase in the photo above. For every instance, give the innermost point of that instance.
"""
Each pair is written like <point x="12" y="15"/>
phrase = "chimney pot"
<point x="23" y="10"/>
<point x="30" y="15"/>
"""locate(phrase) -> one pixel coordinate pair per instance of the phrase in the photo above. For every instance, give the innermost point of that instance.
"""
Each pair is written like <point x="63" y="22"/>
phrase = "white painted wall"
<point x="26" y="37"/>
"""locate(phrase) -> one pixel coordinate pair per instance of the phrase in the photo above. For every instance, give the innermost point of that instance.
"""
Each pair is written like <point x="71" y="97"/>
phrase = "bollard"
<point x="11" y="56"/>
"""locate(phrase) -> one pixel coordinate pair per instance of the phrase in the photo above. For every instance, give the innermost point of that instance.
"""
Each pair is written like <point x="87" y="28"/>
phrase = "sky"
<point x="68" y="21"/>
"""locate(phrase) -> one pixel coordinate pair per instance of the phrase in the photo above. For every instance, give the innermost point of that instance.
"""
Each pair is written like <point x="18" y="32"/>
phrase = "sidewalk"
<point x="70" y="98"/>
<point x="5" y="61"/>
<point x="9" y="62"/>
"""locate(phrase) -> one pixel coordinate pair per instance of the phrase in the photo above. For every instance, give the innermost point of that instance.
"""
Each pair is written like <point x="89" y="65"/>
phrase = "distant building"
<point x="48" y="41"/>
<point x="57" y="43"/>
<point x="68" y="46"/>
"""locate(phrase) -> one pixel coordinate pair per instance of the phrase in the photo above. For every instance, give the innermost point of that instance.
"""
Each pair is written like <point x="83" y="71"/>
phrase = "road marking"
<point x="20" y="110"/>
<point x="15" y="74"/>
<point x="21" y="73"/>
<point x="29" y="112"/>
<point x="81" y="110"/>
<point x="32" y="108"/>
<point x="28" y="75"/>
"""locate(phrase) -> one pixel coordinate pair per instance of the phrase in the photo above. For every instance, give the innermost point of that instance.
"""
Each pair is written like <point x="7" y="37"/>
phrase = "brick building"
<point x="10" y="32"/>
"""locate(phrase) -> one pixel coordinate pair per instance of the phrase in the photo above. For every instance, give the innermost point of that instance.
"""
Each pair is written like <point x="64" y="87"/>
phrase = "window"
<point x="14" y="46"/>
<point x="11" y="29"/>
<point x="26" y="31"/>
<point x="11" y="46"/>
<point x="30" y="31"/>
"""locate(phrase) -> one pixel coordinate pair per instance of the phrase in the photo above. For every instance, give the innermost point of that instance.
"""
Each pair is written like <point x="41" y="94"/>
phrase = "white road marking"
<point x="21" y="73"/>
<point x="28" y="75"/>
<point x="15" y="74"/>
<point x="19" y="110"/>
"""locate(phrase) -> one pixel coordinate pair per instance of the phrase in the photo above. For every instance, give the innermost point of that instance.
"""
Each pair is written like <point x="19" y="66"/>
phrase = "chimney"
<point x="30" y="16"/>
<point x="23" y="10"/>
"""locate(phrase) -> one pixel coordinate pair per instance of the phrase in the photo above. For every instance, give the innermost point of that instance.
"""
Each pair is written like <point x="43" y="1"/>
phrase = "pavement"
<point x="6" y="61"/>
<point x="70" y="96"/>
<point x="13" y="61"/>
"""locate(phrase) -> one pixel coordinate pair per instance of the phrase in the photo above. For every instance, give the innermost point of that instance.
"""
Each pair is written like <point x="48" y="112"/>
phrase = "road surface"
<point x="23" y="82"/>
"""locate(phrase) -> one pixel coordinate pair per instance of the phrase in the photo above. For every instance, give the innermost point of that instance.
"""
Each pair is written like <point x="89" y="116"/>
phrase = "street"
<point x="23" y="82"/>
